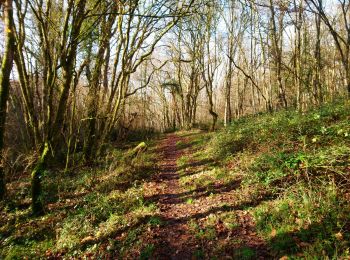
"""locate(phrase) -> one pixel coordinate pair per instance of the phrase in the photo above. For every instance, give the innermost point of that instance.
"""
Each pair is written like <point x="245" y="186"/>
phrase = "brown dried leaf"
<point x="273" y="233"/>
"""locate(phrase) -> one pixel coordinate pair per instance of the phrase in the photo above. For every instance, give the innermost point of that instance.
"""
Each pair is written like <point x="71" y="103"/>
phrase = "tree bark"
<point x="53" y="136"/>
<point x="37" y="200"/>
<point x="277" y="39"/>
<point x="6" y="67"/>
<point x="318" y="92"/>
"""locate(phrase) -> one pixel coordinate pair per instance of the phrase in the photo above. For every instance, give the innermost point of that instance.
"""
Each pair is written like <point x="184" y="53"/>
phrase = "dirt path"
<point x="173" y="239"/>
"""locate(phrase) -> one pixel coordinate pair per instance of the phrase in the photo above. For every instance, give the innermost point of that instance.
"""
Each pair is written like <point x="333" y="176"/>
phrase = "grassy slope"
<point x="98" y="211"/>
<point x="290" y="171"/>
<point x="294" y="177"/>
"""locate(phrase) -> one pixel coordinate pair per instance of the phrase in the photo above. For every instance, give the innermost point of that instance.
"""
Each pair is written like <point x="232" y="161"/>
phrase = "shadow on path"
<point x="173" y="239"/>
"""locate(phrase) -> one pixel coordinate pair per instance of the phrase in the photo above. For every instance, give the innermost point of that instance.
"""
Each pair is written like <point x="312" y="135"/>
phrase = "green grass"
<point x="290" y="171"/>
<point x="295" y="178"/>
<point x="305" y="220"/>
<point x="146" y="252"/>
<point x="202" y="233"/>
<point x="181" y="145"/>
<point x="205" y="179"/>
<point x="87" y="209"/>
<point x="245" y="253"/>
<point x="182" y="161"/>
<point x="304" y="160"/>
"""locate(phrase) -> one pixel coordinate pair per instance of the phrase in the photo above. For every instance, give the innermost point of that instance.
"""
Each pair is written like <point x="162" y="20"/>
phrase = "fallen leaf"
<point x="273" y="233"/>
<point x="299" y="221"/>
<point x="303" y="244"/>
<point x="87" y="240"/>
<point x="339" y="236"/>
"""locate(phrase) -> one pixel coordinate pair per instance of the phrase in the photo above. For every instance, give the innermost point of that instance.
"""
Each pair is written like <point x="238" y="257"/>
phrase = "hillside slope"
<point x="269" y="186"/>
<point x="294" y="171"/>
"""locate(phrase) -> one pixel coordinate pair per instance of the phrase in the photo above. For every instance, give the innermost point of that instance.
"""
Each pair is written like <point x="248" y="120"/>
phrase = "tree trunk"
<point x="214" y="116"/>
<point x="228" y="110"/>
<point x="277" y="39"/>
<point x="54" y="134"/>
<point x="347" y="79"/>
<point x="93" y="95"/>
<point x="318" y="92"/>
<point x="297" y="59"/>
<point x="37" y="200"/>
<point x="6" y="67"/>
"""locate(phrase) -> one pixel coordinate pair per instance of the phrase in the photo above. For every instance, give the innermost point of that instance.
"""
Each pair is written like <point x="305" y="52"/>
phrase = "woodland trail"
<point x="174" y="239"/>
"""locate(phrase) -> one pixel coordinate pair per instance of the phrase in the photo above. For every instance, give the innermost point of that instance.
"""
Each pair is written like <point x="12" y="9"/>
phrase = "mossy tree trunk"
<point x="210" y="66"/>
<point x="37" y="173"/>
<point x="93" y="95"/>
<point x="67" y="58"/>
<point x="6" y="67"/>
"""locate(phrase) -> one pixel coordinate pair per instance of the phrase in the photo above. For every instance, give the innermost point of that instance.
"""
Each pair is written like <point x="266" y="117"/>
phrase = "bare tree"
<point x="6" y="67"/>
<point x="342" y="41"/>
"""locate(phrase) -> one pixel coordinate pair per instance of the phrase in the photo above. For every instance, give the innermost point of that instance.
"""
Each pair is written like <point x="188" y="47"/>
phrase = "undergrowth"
<point x="87" y="210"/>
<point x="293" y="172"/>
<point x="287" y="171"/>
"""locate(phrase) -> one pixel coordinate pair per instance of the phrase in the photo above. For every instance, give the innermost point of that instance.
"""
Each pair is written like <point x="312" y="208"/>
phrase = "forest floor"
<point x="191" y="226"/>
<point x="270" y="186"/>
